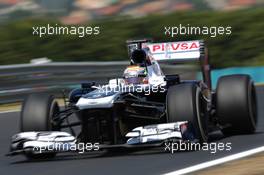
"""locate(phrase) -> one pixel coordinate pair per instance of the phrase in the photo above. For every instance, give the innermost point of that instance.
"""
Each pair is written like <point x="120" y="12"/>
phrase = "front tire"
<point x="185" y="103"/>
<point x="37" y="114"/>
<point x="38" y="111"/>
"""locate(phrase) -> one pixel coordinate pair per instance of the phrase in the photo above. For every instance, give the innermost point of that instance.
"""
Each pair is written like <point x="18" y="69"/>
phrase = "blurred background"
<point x="119" y="20"/>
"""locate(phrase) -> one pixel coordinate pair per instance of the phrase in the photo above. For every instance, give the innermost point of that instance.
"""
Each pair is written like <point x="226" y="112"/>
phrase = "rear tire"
<point x="37" y="114"/>
<point x="185" y="103"/>
<point x="236" y="105"/>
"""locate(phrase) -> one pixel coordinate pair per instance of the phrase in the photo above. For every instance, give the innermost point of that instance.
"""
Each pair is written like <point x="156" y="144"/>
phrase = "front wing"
<point x="140" y="137"/>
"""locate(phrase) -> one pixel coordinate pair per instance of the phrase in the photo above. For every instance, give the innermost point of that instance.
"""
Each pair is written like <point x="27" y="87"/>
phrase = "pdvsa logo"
<point x="173" y="47"/>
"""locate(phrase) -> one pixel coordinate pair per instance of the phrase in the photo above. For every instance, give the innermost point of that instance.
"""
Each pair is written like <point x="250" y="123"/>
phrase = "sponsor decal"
<point x="174" y="47"/>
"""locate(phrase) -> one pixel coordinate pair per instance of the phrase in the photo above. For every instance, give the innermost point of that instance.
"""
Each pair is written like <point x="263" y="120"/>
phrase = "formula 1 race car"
<point x="144" y="108"/>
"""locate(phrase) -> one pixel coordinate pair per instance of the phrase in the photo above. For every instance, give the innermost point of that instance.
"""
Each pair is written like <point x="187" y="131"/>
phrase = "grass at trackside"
<point x="16" y="106"/>
<point x="245" y="166"/>
<point x="259" y="84"/>
<point x="10" y="107"/>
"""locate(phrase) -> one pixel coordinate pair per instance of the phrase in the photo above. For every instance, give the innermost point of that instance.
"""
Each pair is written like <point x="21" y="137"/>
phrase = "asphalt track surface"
<point x="144" y="162"/>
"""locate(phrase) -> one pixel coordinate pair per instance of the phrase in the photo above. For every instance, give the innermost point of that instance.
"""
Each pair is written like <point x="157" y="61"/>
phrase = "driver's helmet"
<point x="139" y="57"/>
<point x="135" y="74"/>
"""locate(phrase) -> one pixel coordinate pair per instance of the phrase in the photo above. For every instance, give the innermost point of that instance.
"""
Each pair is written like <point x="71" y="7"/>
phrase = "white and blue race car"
<point x="144" y="108"/>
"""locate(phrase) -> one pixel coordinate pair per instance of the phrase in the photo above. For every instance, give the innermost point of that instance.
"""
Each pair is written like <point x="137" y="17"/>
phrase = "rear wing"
<point x="176" y="52"/>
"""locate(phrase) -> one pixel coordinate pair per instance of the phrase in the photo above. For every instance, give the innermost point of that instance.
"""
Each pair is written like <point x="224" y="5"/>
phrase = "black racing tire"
<point x="236" y="105"/>
<point x="185" y="103"/>
<point x="37" y="114"/>
<point x="41" y="156"/>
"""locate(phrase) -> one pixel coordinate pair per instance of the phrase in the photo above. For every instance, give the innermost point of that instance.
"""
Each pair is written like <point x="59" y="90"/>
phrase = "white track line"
<point x="217" y="161"/>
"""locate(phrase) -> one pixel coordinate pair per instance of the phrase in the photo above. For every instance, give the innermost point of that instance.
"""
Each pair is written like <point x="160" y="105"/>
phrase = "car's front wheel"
<point x="38" y="112"/>
<point x="185" y="103"/>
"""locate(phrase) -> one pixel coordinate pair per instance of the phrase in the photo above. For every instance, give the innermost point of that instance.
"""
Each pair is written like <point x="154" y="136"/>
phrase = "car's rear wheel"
<point x="38" y="112"/>
<point x="185" y="103"/>
<point x="236" y="105"/>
